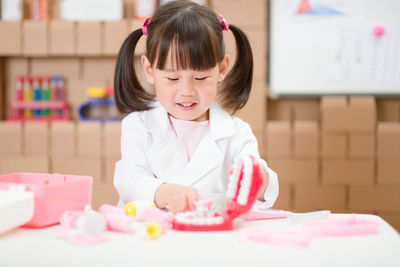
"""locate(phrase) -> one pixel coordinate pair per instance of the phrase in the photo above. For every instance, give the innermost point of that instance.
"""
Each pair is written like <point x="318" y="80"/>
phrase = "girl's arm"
<point x="133" y="177"/>
<point x="246" y="143"/>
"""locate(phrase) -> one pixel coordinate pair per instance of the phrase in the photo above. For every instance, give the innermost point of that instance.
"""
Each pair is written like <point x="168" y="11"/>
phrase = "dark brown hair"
<point x="193" y="33"/>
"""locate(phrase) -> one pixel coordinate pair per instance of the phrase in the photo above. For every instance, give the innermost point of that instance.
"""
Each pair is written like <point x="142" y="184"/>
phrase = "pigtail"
<point x="129" y="94"/>
<point x="237" y="84"/>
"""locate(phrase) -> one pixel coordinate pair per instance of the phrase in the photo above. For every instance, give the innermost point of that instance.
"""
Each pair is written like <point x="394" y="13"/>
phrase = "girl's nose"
<point x="187" y="88"/>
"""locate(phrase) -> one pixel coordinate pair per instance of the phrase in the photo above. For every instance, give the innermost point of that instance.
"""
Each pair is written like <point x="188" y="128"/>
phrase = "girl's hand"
<point x="178" y="198"/>
<point x="264" y="185"/>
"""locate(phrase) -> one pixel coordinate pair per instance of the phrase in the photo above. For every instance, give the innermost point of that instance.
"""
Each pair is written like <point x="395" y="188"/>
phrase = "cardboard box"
<point x="362" y="146"/>
<point x="90" y="38"/>
<point x="296" y="171"/>
<point x="13" y="68"/>
<point x="2" y="89"/>
<point x="392" y="218"/>
<point x="109" y="169"/>
<point x="62" y="38"/>
<point x="388" y="109"/>
<point x="280" y="110"/>
<point x="141" y="45"/>
<point x="317" y="197"/>
<point x="104" y="194"/>
<point x="69" y="68"/>
<point x="241" y="13"/>
<point x="112" y="139"/>
<point x="36" y="38"/>
<point x="258" y="41"/>
<point x="254" y="110"/>
<point x="278" y="141"/>
<point x="36" y="138"/>
<point x="79" y="165"/>
<point x="306" y="109"/>
<point x="101" y="69"/>
<point x="348" y="172"/>
<point x="388" y="143"/>
<point x="89" y="136"/>
<point x="334" y="145"/>
<point x="63" y="139"/>
<point x="10" y="139"/>
<point x="362" y="114"/>
<point x="334" y="114"/>
<point x="284" y="200"/>
<point x="12" y="164"/>
<point x="12" y="44"/>
<point x="115" y="33"/>
<point x="306" y="139"/>
<point x="388" y="172"/>
<point x="383" y="198"/>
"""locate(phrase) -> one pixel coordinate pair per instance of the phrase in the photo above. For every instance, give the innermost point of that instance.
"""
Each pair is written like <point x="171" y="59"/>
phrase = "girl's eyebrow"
<point x="170" y="70"/>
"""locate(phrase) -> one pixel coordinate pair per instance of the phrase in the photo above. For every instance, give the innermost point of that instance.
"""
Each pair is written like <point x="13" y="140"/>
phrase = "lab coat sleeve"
<point x="249" y="146"/>
<point x="133" y="178"/>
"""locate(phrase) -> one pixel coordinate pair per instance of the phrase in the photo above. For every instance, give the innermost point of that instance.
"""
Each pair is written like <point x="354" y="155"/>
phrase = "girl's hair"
<point x="193" y="34"/>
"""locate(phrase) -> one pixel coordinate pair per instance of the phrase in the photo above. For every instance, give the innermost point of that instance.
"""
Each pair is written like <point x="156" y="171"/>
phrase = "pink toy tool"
<point x="244" y="184"/>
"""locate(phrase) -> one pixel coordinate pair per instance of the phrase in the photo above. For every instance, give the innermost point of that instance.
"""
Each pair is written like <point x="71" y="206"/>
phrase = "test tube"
<point x="27" y="95"/>
<point x="45" y="94"/>
<point x="60" y="91"/>
<point x="53" y="93"/>
<point x="36" y="94"/>
<point x="19" y="90"/>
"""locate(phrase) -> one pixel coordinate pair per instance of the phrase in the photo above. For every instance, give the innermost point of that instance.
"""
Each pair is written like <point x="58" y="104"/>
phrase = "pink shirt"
<point x="189" y="134"/>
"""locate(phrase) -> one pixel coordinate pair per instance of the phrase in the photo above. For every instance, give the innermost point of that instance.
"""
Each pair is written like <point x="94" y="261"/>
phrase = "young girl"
<point x="178" y="146"/>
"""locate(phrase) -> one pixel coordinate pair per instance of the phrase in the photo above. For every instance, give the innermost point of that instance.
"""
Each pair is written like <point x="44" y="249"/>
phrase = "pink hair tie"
<point x="144" y="25"/>
<point x="225" y="24"/>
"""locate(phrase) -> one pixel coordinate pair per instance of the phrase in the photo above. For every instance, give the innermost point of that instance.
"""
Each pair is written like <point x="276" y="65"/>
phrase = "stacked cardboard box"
<point x="65" y="38"/>
<point x="291" y="148"/>
<point x="80" y="148"/>
<point x="254" y="26"/>
<point x="348" y="144"/>
<point x="386" y="193"/>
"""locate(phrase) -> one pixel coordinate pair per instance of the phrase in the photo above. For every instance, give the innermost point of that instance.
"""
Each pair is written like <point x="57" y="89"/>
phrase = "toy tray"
<point x="53" y="194"/>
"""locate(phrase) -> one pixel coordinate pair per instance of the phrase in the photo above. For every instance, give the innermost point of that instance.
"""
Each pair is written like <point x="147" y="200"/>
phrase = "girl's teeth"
<point x="187" y="105"/>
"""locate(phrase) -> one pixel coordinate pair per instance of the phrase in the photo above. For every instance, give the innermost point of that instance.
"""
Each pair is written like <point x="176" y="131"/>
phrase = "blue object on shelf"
<point x="101" y="109"/>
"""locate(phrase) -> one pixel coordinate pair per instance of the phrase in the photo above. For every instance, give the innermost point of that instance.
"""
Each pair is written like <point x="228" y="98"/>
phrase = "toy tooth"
<point x="244" y="184"/>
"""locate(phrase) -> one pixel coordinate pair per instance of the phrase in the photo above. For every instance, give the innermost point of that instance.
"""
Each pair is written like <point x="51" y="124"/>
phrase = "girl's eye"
<point x="201" y="79"/>
<point x="172" y="79"/>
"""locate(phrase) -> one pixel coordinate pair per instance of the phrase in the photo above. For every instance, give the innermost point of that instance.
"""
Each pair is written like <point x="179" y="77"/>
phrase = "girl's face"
<point x="186" y="94"/>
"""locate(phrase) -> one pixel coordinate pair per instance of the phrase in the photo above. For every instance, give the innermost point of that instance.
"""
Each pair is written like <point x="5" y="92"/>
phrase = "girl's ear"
<point x="223" y="68"/>
<point x="148" y="71"/>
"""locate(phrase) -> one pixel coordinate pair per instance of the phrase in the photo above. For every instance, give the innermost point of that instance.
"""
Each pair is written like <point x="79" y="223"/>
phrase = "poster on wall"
<point x="322" y="47"/>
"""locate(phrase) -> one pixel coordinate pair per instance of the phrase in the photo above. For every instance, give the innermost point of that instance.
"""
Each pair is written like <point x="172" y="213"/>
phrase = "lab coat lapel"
<point x="206" y="157"/>
<point x="165" y="152"/>
<point x="208" y="154"/>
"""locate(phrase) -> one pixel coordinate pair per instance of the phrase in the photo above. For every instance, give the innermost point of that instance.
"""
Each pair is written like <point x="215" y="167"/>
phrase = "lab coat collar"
<point x="208" y="154"/>
<point x="221" y="124"/>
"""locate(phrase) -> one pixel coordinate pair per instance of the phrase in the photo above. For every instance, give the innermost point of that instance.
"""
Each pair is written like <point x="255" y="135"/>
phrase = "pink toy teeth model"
<point x="244" y="184"/>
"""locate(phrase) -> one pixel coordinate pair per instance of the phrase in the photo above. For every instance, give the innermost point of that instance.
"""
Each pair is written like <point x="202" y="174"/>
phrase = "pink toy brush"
<point x="244" y="184"/>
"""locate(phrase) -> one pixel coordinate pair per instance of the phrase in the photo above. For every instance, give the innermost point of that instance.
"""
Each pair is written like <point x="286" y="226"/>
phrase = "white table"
<point x="39" y="247"/>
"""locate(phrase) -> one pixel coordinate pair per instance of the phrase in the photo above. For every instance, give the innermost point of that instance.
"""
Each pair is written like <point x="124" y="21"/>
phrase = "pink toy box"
<point x="53" y="194"/>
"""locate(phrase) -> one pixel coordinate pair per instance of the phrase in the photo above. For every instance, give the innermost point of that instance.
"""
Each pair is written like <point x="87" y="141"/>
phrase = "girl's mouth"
<point x="186" y="105"/>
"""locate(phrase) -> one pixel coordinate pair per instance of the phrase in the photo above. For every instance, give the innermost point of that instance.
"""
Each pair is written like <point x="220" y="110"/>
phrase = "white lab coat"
<point x="151" y="155"/>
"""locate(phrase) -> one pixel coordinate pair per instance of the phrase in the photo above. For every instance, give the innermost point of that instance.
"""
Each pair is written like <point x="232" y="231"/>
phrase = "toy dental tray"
<point x="244" y="184"/>
<point x="53" y="194"/>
